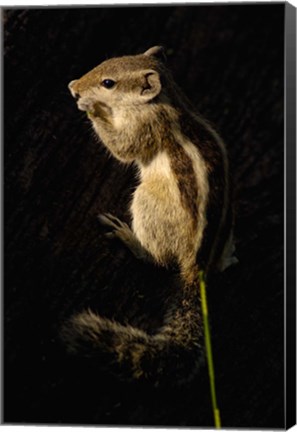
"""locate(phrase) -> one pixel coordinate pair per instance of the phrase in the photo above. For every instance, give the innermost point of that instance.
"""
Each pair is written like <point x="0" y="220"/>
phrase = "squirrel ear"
<point x="156" y="51"/>
<point x="151" y="84"/>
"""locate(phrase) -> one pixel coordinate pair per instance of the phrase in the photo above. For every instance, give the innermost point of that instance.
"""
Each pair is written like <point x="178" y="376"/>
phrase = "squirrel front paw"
<point x="86" y="104"/>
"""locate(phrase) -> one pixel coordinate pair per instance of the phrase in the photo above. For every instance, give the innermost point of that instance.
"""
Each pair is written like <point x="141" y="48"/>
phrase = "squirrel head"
<point x="120" y="82"/>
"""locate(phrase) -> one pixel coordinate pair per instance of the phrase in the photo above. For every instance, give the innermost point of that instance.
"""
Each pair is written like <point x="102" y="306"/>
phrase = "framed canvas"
<point x="236" y="63"/>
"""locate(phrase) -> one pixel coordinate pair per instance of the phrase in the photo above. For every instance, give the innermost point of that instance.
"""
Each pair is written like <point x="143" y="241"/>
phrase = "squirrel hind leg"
<point x="123" y="232"/>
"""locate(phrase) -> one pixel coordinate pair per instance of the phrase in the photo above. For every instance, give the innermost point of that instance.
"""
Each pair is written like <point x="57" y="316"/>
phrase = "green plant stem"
<point x="216" y="411"/>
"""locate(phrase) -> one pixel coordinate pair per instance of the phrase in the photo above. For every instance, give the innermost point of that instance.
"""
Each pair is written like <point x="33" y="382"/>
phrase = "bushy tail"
<point x="174" y="352"/>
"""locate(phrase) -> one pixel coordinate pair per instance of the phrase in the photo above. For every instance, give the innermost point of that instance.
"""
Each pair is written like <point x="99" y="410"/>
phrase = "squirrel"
<point x="181" y="210"/>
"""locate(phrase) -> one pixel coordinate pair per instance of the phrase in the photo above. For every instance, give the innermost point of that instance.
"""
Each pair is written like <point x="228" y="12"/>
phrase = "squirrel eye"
<point x="108" y="83"/>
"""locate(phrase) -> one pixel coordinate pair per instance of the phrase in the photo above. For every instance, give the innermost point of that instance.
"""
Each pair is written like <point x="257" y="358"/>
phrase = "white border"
<point x="114" y="2"/>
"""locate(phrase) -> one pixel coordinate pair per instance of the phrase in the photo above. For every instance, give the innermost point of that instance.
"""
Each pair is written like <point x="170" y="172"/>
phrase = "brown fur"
<point x="182" y="166"/>
<point x="180" y="210"/>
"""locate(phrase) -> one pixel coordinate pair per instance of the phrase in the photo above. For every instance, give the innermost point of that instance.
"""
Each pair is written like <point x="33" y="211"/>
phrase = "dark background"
<point x="58" y="177"/>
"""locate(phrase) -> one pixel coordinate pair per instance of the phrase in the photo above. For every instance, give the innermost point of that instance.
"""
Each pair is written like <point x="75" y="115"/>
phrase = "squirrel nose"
<point x="72" y="91"/>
